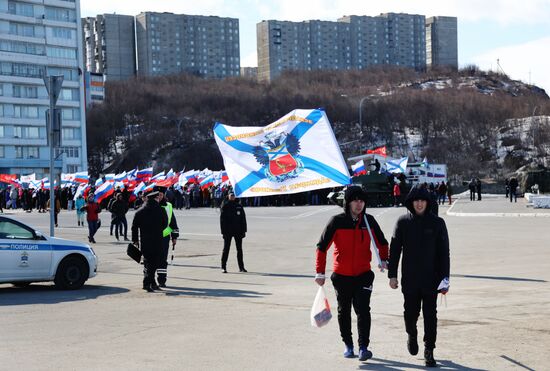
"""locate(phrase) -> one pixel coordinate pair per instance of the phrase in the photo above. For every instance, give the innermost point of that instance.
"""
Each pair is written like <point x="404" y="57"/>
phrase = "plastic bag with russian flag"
<point x="320" y="310"/>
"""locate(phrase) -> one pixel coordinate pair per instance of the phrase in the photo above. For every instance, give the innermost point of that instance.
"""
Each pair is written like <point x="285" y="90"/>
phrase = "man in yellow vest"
<point x="171" y="232"/>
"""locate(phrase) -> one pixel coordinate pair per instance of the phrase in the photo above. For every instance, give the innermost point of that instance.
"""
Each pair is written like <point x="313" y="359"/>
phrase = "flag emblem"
<point x="278" y="155"/>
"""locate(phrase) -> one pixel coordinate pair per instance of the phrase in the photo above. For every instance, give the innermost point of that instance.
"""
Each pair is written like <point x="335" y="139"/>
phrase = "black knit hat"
<point x="354" y="193"/>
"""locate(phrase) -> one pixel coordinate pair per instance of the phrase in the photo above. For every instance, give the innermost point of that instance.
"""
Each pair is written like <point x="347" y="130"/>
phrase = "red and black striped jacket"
<point x="352" y="253"/>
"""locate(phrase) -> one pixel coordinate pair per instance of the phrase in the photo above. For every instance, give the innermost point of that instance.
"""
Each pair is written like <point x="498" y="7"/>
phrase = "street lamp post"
<point x="361" y="115"/>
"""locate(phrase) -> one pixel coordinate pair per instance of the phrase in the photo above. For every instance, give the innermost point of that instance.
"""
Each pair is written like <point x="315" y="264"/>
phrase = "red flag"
<point x="8" y="178"/>
<point x="378" y="151"/>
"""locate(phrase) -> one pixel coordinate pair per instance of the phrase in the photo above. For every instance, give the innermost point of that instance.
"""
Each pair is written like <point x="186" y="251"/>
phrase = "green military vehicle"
<point x="377" y="186"/>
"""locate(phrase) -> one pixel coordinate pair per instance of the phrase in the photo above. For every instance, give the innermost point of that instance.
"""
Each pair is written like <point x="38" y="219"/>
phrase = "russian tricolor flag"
<point x="359" y="168"/>
<point x="104" y="191"/>
<point x="140" y="188"/>
<point x="81" y="177"/>
<point x="144" y="175"/>
<point x="207" y="182"/>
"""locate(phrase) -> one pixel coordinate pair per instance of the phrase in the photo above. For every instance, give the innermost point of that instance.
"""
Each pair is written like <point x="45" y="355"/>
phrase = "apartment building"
<point x="441" y="42"/>
<point x="40" y="38"/>
<point x="109" y="45"/>
<point x="352" y="42"/>
<point x="170" y="43"/>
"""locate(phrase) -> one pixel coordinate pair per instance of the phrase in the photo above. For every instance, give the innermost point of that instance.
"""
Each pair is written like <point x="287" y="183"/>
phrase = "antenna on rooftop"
<point x="499" y="67"/>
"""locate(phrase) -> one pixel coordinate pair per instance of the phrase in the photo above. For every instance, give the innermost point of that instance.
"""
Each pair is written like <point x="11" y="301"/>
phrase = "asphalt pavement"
<point x="495" y="318"/>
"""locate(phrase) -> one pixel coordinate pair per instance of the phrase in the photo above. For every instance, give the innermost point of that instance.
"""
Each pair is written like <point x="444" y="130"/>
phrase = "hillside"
<point x="454" y="117"/>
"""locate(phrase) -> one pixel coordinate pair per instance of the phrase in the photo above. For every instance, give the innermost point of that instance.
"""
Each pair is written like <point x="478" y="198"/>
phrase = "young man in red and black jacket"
<point x="352" y="276"/>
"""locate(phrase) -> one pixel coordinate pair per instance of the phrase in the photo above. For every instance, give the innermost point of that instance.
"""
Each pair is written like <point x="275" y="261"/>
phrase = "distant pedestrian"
<point x="80" y="214"/>
<point x="233" y="226"/>
<point x="396" y="194"/>
<point x="513" y="189"/>
<point x="507" y="186"/>
<point x="472" y="188"/>
<point x="449" y="192"/>
<point x="442" y="192"/>
<point x="478" y="189"/>
<point x="92" y="209"/>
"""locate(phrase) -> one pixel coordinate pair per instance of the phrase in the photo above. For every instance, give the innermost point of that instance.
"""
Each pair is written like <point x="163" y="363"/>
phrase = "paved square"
<point x="496" y="318"/>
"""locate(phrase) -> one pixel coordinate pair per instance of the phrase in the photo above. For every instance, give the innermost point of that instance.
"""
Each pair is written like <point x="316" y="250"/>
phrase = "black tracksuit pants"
<point x="150" y="266"/>
<point x="227" y="245"/>
<point x="163" y="263"/>
<point x="354" y="291"/>
<point x="414" y="299"/>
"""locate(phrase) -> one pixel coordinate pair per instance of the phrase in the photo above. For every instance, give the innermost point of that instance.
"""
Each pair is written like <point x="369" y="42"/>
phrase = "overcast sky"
<point x="516" y="32"/>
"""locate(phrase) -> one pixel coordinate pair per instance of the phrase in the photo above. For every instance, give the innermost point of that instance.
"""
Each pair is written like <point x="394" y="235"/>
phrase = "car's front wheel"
<point x="71" y="273"/>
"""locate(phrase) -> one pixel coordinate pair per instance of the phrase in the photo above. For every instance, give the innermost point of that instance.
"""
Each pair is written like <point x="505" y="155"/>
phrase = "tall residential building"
<point x="109" y="45"/>
<point x="309" y="45"/>
<point x="353" y="42"/>
<point x="39" y="38"/>
<point x="441" y="42"/>
<point x="170" y="43"/>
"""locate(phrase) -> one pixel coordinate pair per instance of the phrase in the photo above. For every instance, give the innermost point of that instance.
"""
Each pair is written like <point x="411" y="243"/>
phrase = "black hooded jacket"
<point x="424" y="242"/>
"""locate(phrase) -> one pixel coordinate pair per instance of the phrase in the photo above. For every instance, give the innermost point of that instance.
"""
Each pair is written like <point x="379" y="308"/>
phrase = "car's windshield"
<point x="11" y="230"/>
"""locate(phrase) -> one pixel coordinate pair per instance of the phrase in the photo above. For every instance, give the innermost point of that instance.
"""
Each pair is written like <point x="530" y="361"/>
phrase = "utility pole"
<point x="53" y="128"/>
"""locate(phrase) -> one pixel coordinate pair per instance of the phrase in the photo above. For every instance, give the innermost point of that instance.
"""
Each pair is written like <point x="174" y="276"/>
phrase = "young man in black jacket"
<point x="233" y="225"/>
<point x="423" y="240"/>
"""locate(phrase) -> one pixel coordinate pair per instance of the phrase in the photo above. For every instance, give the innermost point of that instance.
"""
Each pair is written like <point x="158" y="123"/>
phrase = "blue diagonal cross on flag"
<point x="296" y="153"/>
<point x="397" y="166"/>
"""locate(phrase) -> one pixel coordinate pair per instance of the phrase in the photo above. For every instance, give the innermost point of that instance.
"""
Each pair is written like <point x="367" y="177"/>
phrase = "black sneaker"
<point x="429" y="357"/>
<point x="154" y="286"/>
<point x="243" y="270"/>
<point x="364" y="353"/>
<point x="412" y="345"/>
<point x="162" y="285"/>
<point x="148" y="288"/>
<point x="224" y="270"/>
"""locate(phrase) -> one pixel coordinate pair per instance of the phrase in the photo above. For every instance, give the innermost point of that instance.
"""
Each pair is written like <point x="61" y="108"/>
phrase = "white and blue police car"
<point x="27" y="255"/>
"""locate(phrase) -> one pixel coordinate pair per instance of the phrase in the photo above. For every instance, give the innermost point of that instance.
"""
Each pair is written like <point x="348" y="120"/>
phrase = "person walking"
<point x="396" y="194"/>
<point x="449" y="192"/>
<point x="478" y="189"/>
<point x="352" y="276"/>
<point x="79" y="203"/>
<point x="442" y="191"/>
<point x="92" y="210"/>
<point x="119" y="208"/>
<point x="170" y="233"/>
<point x="421" y="237"/>
<point x="233" y="225"/>
<point x="472" y="188"/>
<point x="513" y="184"/>
<point x="147" y="226"/>
<point x="57" y="208"/>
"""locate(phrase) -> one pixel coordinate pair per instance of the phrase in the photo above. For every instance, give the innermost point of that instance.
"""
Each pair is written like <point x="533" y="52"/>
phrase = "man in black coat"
<point x="150" y="220"/>
<point x="233" y="225"/>
<point x="422" y="238"/>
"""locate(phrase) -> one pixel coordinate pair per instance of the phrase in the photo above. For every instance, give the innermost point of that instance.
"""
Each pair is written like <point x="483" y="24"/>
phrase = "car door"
<point x="24" y="256"/>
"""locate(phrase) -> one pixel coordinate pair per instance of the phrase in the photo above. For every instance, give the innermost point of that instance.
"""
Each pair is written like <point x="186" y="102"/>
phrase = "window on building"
<point x="70" y="133"/>
<point x="2" y="152"/>
<point x="23" y="9"/>
<point x="60" y="14"/>
<point x="62" y="33"/>
<point x="70" y="152"/>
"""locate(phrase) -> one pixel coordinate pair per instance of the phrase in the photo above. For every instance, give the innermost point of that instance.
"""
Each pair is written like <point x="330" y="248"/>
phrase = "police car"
<point x="27" y="256"/>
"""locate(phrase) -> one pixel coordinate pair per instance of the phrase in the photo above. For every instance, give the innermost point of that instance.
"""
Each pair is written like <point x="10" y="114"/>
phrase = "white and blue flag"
<point x="294" y="154"/>
<point x="397" y="166"/>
